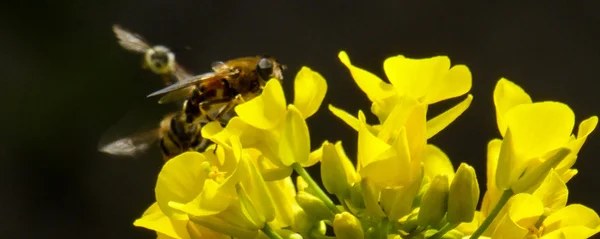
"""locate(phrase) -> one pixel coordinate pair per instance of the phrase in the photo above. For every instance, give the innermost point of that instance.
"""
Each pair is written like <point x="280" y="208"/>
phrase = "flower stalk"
<point x="315" y="187"/>
<point x="493" y="214"/>
<point x="270" y="232"/>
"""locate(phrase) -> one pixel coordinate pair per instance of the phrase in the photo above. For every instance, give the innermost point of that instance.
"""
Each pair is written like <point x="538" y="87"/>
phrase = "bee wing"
<point x="176" y="95"/>
<point x="181" y="73"/>
<point x="132" y="146"/>
<point x="129" y="40"/>
<point x="135" y="132"/>
<point x="192" y="81"/>
<point x="219" y="66"/>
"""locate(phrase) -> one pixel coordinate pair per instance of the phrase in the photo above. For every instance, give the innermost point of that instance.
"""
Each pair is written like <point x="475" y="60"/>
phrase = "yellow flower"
<point x="199" y="182"/>
<point x="165" y="227"/>
<point x="427" y="81"/>
<point x="532" y="132"/>
<point x="280" y="133"/>
<point x="544" y="214"/>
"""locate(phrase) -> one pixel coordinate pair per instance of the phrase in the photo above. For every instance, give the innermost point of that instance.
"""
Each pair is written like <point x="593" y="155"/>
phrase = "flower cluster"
<point x="399" y="186"/>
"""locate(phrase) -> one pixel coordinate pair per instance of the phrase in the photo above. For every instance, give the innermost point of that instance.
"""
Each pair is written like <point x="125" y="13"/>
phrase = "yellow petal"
<point x="416" y="127"/>
<point x="572" y="215"/>
<point x="436" y="162"/>
<point x="539" y="127"/>
<point x="249" y="136"/>
<point x="383" y="106"/>
<point x="256" y="189"/>
<point x="506" y="96"/>
<point x="309" y="91"/>
<point x="264" y="111"/>
<point x="393" y="168"/>
<point x="199" y="232"/>
<point x="553" y="192"/>
<point x="371" y="195"/>
<point x="294" y="145"/>
<point x="525" y="209"/>
<point x="369" y="146"/>
<point x="351" y="174"/>
<point x="568" y="175"/>
<point x="456" y="82"/>
<point x="154" y="219"/>
<point x="509" y="166"/>
<point x="180" y="180"/>
<point x="270" y="171"/>
<point x="284" y="194"/>
<point x="493" y="151"/>
<point x="343" y="115"/>
<point x="397" y="119"/>
<point x="586" y="127"/>
<point x="369" y="83"/>
<point x="415" y="77"/>
<point x="314" y="157"/>
<point x="507" y="228"/>
<point x="335" y="170"/>
<point x="212" y="200"/>
<point x="441" y="121"/>
<point x="571" y="232"/>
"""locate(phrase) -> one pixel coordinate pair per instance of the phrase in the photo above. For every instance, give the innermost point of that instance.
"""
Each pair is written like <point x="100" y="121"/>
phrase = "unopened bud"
<point x="313" y="206"/>
<point x="334" y="171"/>
<point x="435" y="202"/>
<point x="346" y="225"/>
<point x="463" y="196"/>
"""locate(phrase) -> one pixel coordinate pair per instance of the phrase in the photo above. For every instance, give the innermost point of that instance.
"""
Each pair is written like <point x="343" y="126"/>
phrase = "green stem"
<point x="385" y="228"/>
<point x="270" y="233"/>
<point x="415" y="232"/>
<point x="444" y="230"/>
<point x="540" y="220"/>
<point x="490" y="218"/>
<point x="314" y="186"/>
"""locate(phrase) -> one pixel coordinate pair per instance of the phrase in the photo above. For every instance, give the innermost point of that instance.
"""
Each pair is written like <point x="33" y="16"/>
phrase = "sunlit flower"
<point x="531" y="130"/>
<point x="544" y="214"/>
<point x="427" y="81"/>
<point x="278" y="131"/>
<point x="398" y="185"/>
<point x="166" y="228"/>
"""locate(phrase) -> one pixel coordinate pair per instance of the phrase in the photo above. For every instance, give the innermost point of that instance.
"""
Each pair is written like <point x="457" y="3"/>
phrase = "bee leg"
<point x="236" y="101"/>
<point x="205" y="107"/>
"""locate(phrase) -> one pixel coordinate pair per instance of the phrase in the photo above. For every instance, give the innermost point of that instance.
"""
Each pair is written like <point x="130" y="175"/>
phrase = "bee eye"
<point x="264" y="68"/>
<point x="264" y="63"/>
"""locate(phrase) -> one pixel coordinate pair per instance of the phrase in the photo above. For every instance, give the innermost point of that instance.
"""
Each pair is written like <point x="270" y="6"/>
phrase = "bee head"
<point x="160" y="59"/>
<point x="267" y="68"/>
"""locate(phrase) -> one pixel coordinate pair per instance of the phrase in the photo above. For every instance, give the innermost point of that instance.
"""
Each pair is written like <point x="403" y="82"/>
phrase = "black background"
<point x="65" y="81"/>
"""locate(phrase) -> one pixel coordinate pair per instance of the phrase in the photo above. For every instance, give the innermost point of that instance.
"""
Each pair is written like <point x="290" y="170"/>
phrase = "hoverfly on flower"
<point x="229" y="84"/>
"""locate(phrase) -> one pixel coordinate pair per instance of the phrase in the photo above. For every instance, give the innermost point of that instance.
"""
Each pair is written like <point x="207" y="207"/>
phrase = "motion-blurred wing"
<point x="131" y="146"/>
<point x="129" y="40"/>
<point x="193" y="81"/>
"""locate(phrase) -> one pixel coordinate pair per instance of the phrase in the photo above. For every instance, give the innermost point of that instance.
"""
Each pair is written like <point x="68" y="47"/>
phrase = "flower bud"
<point x="356" y="202"/>
<point x="410" y="224"/>
<point x="435" y="202"/>
<point x="346" y="225"/>
<point x="313" y="206"/>
<point x="336" y="170"/>
<point x="463" y="196"/>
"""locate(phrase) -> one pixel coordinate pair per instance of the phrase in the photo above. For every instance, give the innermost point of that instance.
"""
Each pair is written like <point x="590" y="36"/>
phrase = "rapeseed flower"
<point x="398" y="185"/>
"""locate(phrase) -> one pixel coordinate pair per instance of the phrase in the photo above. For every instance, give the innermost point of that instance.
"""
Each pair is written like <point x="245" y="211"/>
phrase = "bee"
<point x="229" y="84"/>
<point x="159" y="59"/>
<point x="174" y="136"/>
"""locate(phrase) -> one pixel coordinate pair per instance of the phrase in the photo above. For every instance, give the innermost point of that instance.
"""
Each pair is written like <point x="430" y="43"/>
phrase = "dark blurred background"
<point x="66" y="81"/>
